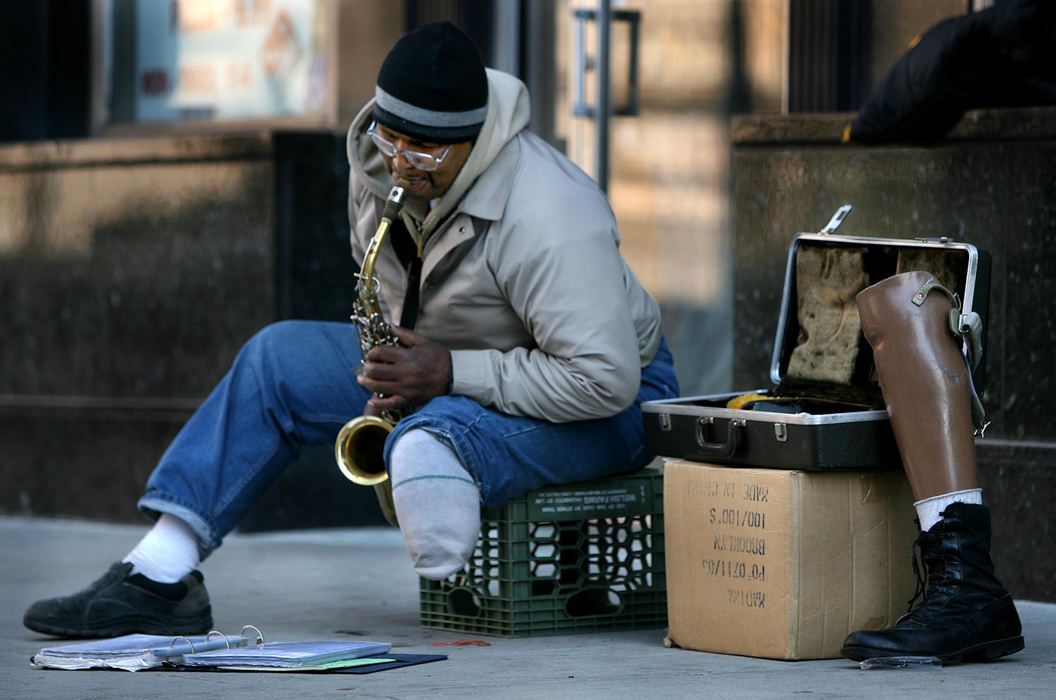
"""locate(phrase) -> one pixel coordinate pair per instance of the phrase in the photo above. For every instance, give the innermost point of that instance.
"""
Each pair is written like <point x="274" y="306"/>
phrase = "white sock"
<point x="167" y="553"/>
<point x="437" y="503"/>
<point x="929" y="511"/>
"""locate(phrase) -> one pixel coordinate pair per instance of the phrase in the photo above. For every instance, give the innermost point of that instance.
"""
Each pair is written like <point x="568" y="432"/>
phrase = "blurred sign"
<point x="227" y="59"/>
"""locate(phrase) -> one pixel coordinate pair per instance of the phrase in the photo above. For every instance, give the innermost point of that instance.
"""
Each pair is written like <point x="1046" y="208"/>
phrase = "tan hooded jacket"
<point x="522" y="277"/>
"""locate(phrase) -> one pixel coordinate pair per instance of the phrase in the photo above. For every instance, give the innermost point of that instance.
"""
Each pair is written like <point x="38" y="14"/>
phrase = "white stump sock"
<point x="929" y="510"/>
<point x="167" y="553"/>
<point x="437" y="503"/>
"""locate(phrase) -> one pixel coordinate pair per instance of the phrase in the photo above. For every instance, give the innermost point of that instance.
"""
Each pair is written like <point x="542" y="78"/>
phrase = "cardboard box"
<point x="784" y="564"/>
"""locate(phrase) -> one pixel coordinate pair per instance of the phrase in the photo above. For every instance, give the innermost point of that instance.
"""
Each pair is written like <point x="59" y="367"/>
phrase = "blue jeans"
<point x="293" y="385"/>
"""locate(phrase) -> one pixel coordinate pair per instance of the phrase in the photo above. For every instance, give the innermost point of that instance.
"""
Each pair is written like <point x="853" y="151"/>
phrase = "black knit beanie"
<point x="432" y="86"/>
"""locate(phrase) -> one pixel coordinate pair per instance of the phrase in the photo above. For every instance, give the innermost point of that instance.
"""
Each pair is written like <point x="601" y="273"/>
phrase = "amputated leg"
<point x="437" y="504"/>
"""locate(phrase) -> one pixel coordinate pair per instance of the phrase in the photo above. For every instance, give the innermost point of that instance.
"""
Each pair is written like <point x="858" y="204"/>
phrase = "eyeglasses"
<point x="419" y="160"/>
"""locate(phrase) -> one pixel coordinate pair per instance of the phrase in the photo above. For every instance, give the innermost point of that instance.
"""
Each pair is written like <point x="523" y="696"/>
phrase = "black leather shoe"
<point x="966" y="614"/>
<point x="122" y="603"/>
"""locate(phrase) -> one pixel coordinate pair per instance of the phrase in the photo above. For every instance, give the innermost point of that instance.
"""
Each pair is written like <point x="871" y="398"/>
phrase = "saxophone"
<point x="360" y="443"/>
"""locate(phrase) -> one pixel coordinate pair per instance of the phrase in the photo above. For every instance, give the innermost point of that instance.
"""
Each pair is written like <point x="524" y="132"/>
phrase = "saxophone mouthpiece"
<point x="393" y="204"/>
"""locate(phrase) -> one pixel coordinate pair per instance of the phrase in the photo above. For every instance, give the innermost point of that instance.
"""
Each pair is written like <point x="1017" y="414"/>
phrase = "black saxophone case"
<point x="825" y="411"/>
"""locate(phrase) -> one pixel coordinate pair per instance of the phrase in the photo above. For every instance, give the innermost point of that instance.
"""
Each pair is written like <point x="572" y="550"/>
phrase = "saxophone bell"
<point x="359" y="450"/>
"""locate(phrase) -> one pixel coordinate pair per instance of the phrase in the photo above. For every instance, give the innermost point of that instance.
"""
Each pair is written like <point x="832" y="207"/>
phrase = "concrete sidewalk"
<point x="357" y="584"/>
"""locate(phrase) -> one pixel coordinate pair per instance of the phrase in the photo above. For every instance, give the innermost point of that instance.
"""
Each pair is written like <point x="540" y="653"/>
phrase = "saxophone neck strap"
<point x="409" y="315"/>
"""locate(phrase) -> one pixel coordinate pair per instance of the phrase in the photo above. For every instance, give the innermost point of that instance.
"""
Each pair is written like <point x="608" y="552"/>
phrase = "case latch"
<point x="836" y="220"/>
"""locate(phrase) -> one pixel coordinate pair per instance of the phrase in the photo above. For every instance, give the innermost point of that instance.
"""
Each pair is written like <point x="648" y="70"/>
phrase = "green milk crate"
<point x="566" y="559"/>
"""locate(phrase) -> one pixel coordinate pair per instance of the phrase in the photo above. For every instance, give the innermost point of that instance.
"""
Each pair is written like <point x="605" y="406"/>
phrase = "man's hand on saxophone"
<point x="406" y="376"/>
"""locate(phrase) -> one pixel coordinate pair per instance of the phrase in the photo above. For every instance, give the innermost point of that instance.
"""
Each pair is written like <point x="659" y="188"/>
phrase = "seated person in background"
<point x="526" y="347"/>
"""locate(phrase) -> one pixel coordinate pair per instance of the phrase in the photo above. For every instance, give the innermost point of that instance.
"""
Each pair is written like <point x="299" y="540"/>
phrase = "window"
<point x="207" y="61"/>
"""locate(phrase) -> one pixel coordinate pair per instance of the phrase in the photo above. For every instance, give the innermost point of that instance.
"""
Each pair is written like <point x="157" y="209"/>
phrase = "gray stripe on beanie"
<point x="427" y="117"/>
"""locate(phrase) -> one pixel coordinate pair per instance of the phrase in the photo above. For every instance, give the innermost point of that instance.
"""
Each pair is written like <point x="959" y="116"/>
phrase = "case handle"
<point x="719" y="450"/>
<point x="836" y="220"/>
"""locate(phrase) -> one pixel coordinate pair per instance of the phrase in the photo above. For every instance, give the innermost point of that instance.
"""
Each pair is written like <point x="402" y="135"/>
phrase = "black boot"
<point x="966" y="614"/>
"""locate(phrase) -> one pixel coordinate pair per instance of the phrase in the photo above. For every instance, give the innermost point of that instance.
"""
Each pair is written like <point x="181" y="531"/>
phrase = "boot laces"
<point x="930" y="574"/>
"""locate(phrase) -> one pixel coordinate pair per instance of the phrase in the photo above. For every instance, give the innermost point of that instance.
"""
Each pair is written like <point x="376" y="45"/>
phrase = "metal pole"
<point x="603" y="108"/>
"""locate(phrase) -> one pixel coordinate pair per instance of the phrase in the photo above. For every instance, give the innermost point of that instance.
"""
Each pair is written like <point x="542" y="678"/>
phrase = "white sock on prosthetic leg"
<point x="929" y="510"/>
<point x="167" y="553"/>
<point x="437" y="503"/>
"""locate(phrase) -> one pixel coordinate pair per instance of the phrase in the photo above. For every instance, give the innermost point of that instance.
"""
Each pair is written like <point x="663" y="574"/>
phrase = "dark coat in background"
<point x="1003" y="56"/>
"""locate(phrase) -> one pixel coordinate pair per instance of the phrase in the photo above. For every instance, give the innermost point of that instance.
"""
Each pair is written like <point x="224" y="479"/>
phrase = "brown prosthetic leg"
<point x="925" y="382"/>
<point x="965" y="614"/>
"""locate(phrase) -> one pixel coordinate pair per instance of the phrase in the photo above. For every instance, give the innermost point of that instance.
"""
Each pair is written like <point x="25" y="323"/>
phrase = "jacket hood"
<point x="508" y="112"/>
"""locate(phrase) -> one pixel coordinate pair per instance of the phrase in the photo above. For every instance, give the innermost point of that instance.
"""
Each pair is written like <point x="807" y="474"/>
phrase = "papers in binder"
<point x="275" y="655"/>
<point x="133" y="652"/>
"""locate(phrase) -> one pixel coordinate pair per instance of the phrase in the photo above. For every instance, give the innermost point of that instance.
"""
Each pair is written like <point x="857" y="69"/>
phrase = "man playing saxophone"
<point x="525" y="346"/>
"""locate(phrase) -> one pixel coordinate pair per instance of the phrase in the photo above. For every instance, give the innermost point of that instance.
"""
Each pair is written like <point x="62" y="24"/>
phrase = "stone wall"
<point x="991" y="183"/>
<point x="131" y="272"/>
